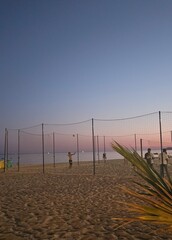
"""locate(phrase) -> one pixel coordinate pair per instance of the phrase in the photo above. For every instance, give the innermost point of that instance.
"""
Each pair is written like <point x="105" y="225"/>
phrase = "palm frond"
<point x="155" y="192"/>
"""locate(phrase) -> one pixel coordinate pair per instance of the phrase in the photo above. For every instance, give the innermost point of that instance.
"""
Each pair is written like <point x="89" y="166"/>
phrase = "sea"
<point x="37" y="158"/>
<point x="60" y="157"/>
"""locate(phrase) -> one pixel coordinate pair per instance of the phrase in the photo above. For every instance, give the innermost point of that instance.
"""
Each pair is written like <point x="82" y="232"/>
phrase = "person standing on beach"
<point x="149" y="157"/>
<point x="163" y="158"/>
<point x="70" y="158"/>
<point x="104" y="157"/>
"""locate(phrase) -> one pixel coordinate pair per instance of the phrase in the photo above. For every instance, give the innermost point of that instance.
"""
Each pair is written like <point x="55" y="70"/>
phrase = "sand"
<point x="70" y="204"/>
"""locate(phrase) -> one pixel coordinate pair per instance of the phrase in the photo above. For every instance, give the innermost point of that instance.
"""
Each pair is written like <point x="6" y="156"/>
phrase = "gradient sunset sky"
<point x="64" y="61"/>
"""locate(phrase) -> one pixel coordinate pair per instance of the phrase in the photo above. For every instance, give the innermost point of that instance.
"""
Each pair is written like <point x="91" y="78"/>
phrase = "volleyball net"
<point x="49" y="144"/>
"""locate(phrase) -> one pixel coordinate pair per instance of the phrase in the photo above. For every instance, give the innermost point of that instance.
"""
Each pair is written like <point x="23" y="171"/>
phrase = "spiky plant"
<point x="156" y="192"/>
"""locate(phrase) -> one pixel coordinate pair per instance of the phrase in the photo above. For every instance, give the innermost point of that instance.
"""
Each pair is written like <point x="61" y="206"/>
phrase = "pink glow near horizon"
<point x="128" y="133"/>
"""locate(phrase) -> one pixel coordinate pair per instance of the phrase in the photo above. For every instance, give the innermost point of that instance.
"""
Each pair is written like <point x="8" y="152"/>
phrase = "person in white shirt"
<point x="163" y="158"/>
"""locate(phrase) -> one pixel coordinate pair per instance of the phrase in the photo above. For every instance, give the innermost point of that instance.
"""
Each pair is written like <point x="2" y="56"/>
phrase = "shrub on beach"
<point x="155" y="191"/>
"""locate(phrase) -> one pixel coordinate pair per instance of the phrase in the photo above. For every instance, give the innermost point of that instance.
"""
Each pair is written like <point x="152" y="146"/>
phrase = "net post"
<point x="77" y="146"/>
<point x="104" y="141"/>
<point x="160" y="134"/>
<point x="135" y="141"/>
<point x="98" y="149"/>
<point x="54" y="150"/>
<point x="93" y="141"/>
<point x="43" y="162"/>
<point x="18" y="163"/>
<point x="141" y="147"/>
<point x="5" y="149"/>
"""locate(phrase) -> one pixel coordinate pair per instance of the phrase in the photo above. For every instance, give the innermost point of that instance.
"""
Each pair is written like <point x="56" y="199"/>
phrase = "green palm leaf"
<point x="155" y="192"/>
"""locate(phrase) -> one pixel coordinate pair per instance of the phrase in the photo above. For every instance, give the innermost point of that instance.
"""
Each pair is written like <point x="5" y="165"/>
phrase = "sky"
<point x="65" y="61"/>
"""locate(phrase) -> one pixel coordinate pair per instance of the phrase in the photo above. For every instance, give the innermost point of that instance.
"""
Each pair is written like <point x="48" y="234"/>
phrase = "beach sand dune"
<point x="70" y="204"/>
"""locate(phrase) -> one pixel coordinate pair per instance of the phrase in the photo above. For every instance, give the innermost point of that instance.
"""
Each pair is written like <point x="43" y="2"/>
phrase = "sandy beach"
<point x="70" y="204"/>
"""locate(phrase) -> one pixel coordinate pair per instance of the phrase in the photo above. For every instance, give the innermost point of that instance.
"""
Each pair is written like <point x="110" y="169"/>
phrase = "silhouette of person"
<point x="149" y="157"/>
<point x="104" y="157"/>
<point x="70" y="158"/>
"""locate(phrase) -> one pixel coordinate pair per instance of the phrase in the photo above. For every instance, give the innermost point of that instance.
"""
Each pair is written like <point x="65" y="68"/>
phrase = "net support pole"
<point x="5" y="149"/>
<point x="43" y="155"/>
<point x="98" y="154"/>
<point x="18" y="163"/>
<point x="54" y="150"/>
<point x="93" y="141"/>
<point x="160" y="134"/>
<point x="141" y="147"/>
<point x="104" y="141"/>
<point x="135" y="142"/>
<point x="77" y="147"/>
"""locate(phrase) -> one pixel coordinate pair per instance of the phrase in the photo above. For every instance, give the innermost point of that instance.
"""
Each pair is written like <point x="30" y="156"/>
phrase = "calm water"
<point x="62" y="157"/>
<point x="59" y="157"/>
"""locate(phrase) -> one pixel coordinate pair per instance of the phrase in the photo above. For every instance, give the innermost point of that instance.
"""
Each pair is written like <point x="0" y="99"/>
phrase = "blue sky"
<point x="64" y="61"/>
